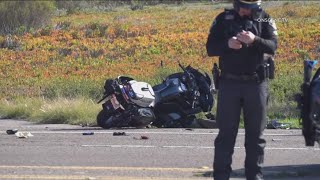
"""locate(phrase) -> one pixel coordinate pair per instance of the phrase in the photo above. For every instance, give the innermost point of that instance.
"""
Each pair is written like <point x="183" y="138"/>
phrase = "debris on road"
<point x="88" y="133"/>
<point x="23" y="134"/>
<point x="119" y="134"/>
<point x="274" y="124"/>
<point x="84" y="125"/>
<point x="189" y="129"/>
<point x="204" y="167"/>
<point x="276" y="139"/>
<point x="141" y="138"/>
<point x="144" y="137"/>
<point x="12" y="131"/>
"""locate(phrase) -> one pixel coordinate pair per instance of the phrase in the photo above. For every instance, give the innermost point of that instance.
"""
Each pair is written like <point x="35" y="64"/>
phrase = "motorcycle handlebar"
<point x="103" y="98"/>
<point x="184" y="69"/>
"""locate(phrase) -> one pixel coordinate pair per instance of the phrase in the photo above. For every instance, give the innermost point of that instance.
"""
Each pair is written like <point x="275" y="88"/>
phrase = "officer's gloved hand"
<point x="234" y="43"/>
<point x="246" y="37"/>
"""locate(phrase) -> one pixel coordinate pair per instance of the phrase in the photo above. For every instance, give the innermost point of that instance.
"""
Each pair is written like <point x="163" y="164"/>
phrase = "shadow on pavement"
<point x="278" y="172"/>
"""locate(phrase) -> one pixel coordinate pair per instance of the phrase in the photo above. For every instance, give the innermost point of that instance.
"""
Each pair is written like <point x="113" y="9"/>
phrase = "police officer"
<point x="241" y="37"/>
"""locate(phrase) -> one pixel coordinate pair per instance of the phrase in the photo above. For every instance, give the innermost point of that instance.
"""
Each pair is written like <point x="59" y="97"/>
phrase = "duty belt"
<point x="241" y="77"/>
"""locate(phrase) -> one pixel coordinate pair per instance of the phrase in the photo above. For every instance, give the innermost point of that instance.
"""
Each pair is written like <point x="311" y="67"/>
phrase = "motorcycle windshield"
<point x="203" y="82"/>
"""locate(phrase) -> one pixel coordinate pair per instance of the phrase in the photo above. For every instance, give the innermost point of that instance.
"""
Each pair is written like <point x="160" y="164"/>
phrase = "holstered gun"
<point x="216" y="75"/>
<point x="271" y="67"/>
<point x="267" y="68"/>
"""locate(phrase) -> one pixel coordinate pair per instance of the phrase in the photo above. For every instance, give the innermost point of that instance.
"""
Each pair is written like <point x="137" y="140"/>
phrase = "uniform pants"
<point x="232" y="97"/>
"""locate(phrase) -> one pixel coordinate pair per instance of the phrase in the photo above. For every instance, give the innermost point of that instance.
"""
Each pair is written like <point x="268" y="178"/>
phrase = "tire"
<point x="166" y="121"/>
<point x="138" y="125"/>
<point x="157" y="123"/>
<point x="188" y="121"/>
<point x="104" y="119"/>
<point x="207" y="123"/>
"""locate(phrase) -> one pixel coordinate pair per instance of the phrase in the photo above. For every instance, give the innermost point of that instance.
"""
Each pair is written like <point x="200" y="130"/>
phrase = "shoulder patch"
<point x="272" y="23"/>
<point x="229" y="14"/>
<point x="229" y="17"/>
<point x="214" y="23"/>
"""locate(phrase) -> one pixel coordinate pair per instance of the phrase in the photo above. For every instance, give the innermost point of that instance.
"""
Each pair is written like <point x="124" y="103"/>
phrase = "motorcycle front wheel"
<point x="104" y="119"/>
<point x="165" y="121"/>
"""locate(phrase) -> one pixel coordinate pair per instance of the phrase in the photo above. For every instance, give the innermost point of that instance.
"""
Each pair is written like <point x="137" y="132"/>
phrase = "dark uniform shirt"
<point x="246" y="59"/>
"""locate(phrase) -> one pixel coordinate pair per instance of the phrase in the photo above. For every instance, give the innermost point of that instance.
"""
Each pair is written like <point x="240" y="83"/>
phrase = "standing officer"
<point x="241" y="37"/>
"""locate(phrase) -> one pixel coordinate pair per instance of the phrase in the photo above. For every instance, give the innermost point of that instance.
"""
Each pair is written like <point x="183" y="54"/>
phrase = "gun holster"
<point x="267" y="68"/>
<point x="270" y="66"/>
<point x="216" y="75"/>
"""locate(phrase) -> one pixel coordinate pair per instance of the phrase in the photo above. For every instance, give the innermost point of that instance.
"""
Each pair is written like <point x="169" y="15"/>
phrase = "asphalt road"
<point x="63" y="152"/>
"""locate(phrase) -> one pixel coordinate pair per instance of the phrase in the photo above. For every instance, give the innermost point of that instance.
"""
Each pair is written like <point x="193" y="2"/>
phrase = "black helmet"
<point x="248" y="4"/>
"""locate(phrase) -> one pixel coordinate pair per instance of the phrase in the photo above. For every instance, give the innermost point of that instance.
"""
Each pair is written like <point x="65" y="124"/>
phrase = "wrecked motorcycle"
<point x="181" y="96"/>
<point x="173" y="103"/>
<point x="127" y="103"/>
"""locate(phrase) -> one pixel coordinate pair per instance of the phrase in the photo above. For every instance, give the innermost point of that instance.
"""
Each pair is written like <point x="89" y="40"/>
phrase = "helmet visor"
<point x="249" y="4"/>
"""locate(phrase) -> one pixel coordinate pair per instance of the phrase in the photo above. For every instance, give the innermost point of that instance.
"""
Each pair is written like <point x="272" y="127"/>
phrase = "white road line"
<point x="111" y="168"/>
<point x="120" y="146"/>
<point x="194" y="147"/>
<point x="145" y="132"/>
<point x="75" y="177"/>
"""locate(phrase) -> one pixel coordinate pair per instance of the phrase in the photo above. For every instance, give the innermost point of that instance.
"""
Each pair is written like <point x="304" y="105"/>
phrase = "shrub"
<point x="10" y="42"/>
<point x="17" y="16"/>
<point x="61" y="110"/>
<point x="74" y="6"/>
<point x="94" y="29"/>
<point x="72" y="88"/>
<point x="136" y="6"/>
